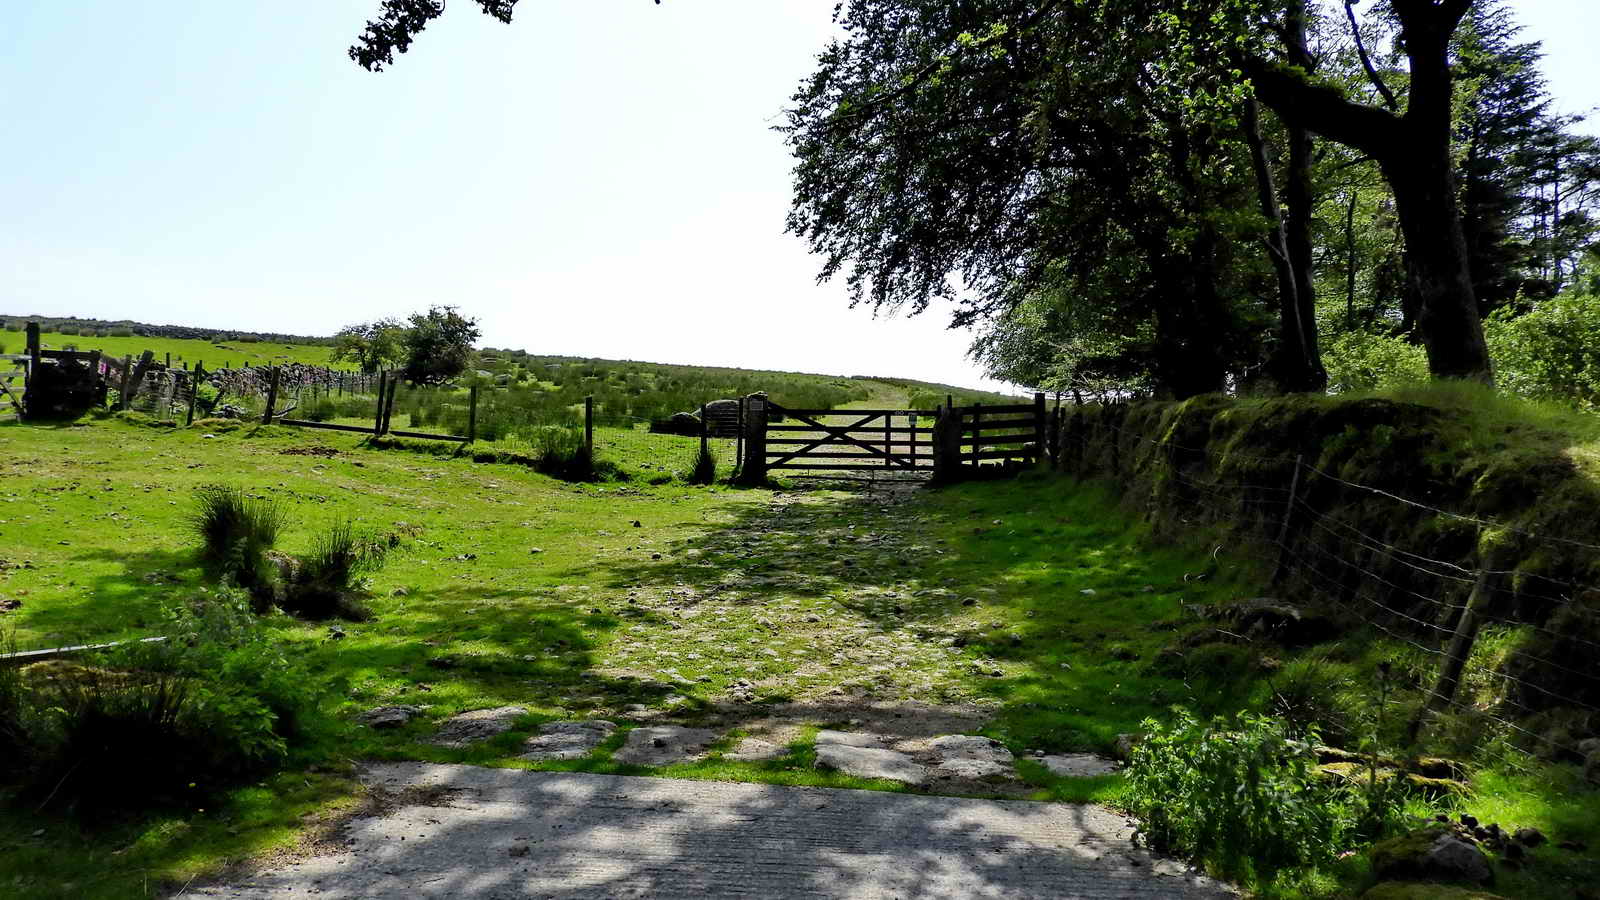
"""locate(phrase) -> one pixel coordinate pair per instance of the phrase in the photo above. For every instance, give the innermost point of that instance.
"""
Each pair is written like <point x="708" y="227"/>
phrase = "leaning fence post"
<point x="1455" y="659"/>
<point x="1288" y="516"/>
<point x="472" y="414"/>
<point x="272" y="396"/>
<point x="388" y="406"/>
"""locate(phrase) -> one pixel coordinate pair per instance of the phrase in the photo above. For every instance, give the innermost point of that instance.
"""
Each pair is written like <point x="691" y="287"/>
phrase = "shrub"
<point x="213" y="704"/>
<point x="704" y="469"/>
<point x="1359" y="361"/>
<point x="119" y="331"/>
<point x="324" y="583"/>
<point x="68" y="329"/>
<point x="1240" y="795"/>
<point x="235" y="534"/>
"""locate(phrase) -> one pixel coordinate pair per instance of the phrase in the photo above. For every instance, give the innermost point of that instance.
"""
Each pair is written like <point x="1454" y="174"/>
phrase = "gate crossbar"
<point x="840" y="434"/>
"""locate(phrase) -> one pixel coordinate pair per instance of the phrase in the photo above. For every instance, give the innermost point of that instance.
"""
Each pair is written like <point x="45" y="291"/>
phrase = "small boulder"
<point x="664" y="745"/>
<point x="1079" y="765"/>
<point x="1122" y="748"/>
<point x="569" y="739"/>
<point x="972" y="747"/>
<point x="972" y="769"/>
<point x="478" y="725"/>
<point x="385" y="717"/>
<point x="1529" y="837"/>
<point x="869" y="762"/>
<point x="1434" y="853"/>
<point x="848" y="739"/>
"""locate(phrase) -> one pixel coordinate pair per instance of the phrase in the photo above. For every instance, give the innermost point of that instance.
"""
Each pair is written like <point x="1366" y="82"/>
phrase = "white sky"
<point x="599" y="178"/>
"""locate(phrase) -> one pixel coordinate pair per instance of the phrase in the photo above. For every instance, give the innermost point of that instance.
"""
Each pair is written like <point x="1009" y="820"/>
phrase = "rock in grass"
<point x="479" y="725"/>
<point x="870" y="762"/>
<point x="664" y="745"/>
<point x="849" y="739"/>
<point x="570" y="739"/>
<point x="971" y="746"/>
<point x="1079" y="765"/>
<point x="1529" y="837"/>
<point x="1434" y="853"/>
<point x="384" y="717"/>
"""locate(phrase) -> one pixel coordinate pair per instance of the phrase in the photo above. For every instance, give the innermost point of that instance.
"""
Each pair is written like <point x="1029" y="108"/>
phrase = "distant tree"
<point x="399" y="22"/>
<point x="438" y="345"/>
<point x="370" y="345"/>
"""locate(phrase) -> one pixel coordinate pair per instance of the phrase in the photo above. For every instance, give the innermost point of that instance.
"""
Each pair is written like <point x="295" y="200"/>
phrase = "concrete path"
<point x="503" y="833"/>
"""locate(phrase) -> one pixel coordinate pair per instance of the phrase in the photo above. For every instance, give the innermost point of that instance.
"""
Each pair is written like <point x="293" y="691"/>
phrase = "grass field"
<point x="1030" y="605"/>
<point x="231" y="353"/>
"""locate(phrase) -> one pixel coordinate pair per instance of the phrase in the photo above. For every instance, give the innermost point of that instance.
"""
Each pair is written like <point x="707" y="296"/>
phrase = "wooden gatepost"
<point x="753" y="465"/>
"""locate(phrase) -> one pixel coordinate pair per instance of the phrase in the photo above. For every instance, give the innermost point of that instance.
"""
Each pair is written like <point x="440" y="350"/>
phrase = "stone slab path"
<point x="504" y="833"/>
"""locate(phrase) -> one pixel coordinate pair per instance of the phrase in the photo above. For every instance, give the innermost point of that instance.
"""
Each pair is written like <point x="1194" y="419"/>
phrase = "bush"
<point x="324" y="584"/>
<point x="235" y="534"/>
<point x="163" y="723"/>
<point x="1550" y="353"/>
<point x="1361" y="361"/>
<point x="1242" y="796"/>
<point x="119" y="331"/>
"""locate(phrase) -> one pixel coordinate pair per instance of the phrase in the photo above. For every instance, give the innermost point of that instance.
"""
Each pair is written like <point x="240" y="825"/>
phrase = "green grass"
<point x="1031" y="604"/>
<point x="234" y="354"/>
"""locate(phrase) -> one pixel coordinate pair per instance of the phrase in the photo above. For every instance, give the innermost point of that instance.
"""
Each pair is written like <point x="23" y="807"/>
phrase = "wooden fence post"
<point x="388" y="407"/>
<point x="977" y="434"/>
<point x="272" y="396"/>
<point x="377" y="418"/>
<point x="1039" y="454"/>
<point x="588" y="426"/>
<point x="472" y="415"/>
<point x="753" y="468"/>
<point x="1455" y="658"/>
<point x="194" y="389"/>
<point x="941" y="462"/>
<point x="738" y="443"/>
<point x="1283" y="529"/>
<point x="705" y="431"/>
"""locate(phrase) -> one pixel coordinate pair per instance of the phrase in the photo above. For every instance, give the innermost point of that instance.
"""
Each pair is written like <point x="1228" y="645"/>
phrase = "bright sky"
<point x="600" y="178"/>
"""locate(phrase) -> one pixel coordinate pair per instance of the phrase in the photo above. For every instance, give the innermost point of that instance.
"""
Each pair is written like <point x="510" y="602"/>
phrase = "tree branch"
<point x="1322" y="109"/>
<point x="1366" y="61"/>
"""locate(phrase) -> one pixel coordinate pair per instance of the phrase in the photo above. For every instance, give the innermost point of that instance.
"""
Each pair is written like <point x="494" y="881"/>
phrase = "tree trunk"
<point x="1301" y="204"/>
<point x="1296" y="360"/>
<point x="1414" y="152"/>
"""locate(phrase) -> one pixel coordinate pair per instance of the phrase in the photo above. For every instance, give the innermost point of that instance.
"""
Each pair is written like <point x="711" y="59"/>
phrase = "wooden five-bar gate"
<point x="949" y="443"/>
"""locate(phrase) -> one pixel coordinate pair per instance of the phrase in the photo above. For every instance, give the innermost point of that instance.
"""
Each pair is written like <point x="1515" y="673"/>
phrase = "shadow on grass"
<point x="1056" y="605"/>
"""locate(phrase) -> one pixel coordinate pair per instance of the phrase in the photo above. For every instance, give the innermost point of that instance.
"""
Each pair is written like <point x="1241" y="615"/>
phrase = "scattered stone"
<point x="1122" y="748"/>
<point x="385" y="717"/>
<point x="399" y="592"/>
<point x="1434" y="853"/>
<point x="755" y="750"/>
<point x="518" y="850"/>
<point x="972" y="769"/>
<point x="971" y="747"/>
<point x="848" y="739"/>
<point x="663" y="745"/>
<point x="1079" y="765"/>
<point x="478" y="725"/>
<point x="870" y="762"/>
<point x="567" y="739"/>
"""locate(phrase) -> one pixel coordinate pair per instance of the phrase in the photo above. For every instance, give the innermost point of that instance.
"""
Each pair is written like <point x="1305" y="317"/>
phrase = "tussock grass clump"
<point x="325" y="583"/>
<point x="235" y="534"/>
<point x="704" y="469"/>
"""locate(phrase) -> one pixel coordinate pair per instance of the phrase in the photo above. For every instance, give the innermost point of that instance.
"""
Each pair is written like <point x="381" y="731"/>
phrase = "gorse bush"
<point x="1241" y="795"/>
<point x="235" y="534"/>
